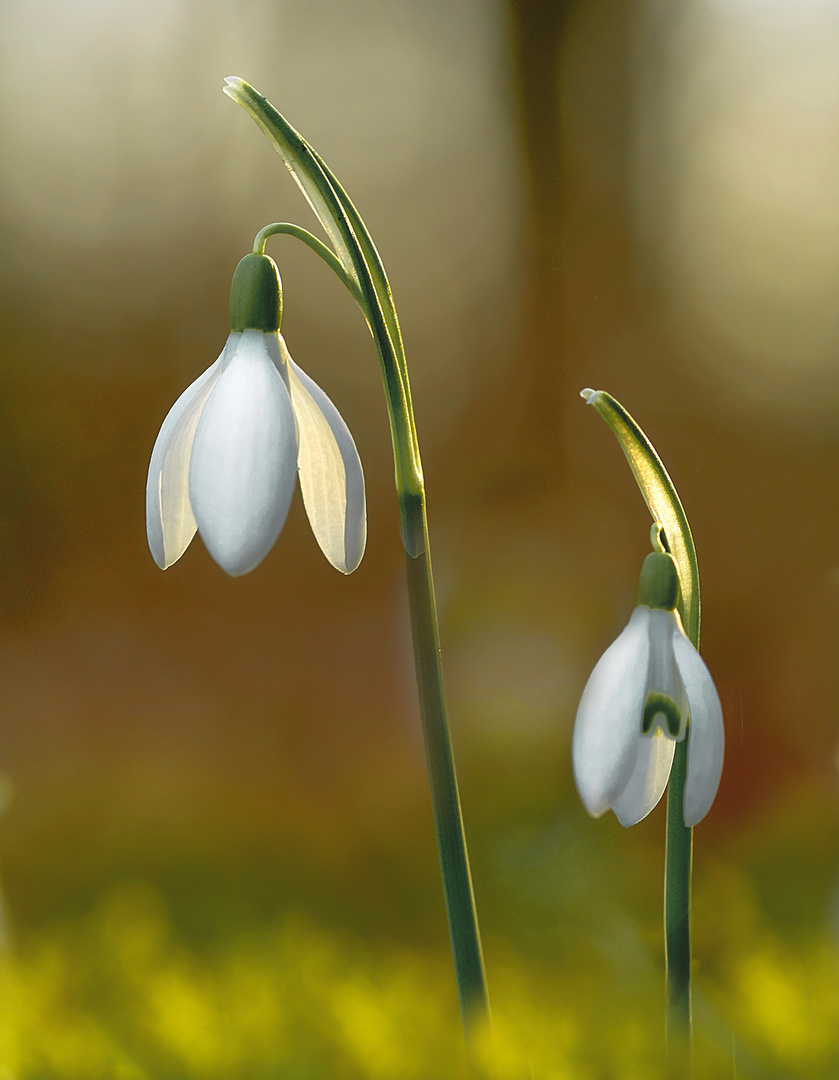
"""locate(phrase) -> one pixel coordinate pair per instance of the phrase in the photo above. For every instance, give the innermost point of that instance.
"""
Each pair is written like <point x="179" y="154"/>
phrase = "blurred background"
<point x="217" y="852"/>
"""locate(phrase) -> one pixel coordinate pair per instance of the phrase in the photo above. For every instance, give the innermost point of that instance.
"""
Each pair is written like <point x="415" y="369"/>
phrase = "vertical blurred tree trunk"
<point x="537" y="28"/>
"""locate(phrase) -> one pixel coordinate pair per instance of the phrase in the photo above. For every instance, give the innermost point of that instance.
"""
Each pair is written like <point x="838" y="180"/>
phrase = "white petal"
<point x="706" y="735"/>
<point x="648" y="781"/>
<point x="331" y="477"/>
<point x="170" y="524"/>
<point x="607" y="730"/>
<point x="244" y="458"/>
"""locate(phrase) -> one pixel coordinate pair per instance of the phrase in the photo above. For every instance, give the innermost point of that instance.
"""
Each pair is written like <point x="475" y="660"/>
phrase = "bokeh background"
<point x="216" y="852"/>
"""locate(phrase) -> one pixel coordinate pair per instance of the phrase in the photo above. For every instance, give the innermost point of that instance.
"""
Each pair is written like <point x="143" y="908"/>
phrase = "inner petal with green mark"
<point x="660" y="710"/>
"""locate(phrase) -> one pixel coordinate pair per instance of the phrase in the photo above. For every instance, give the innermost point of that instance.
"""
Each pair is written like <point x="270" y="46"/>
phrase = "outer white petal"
<point x="607" y="730"/>
<point x="706" y="736"/>
<point x="331" y="477"/>
<point x="648" y="781"/>
<point x="170" y="524"/>
<point x="244" y="458"/>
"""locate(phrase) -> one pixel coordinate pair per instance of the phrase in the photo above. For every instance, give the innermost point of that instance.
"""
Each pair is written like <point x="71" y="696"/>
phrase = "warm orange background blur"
<point x="639" y="197"/>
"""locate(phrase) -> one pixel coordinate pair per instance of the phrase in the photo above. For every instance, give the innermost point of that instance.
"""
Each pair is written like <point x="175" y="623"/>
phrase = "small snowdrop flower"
<point x="229" y="452"/>
<point x="649" y="690"/>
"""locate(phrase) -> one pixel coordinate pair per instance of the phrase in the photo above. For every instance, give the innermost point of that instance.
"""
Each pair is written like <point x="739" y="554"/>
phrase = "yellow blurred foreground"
<point x="119" y="993"/>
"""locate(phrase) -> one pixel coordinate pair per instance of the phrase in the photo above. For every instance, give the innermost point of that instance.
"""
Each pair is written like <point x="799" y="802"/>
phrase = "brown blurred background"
<point x="637" y="196"/>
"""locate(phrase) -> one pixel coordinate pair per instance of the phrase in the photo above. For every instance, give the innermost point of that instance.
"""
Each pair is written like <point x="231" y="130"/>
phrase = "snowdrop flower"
<point x="649" y="690"/>
<point x="228" y="453"/>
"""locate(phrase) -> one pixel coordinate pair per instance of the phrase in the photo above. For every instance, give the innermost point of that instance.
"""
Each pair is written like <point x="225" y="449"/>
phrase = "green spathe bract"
<point x="256" y="295"/>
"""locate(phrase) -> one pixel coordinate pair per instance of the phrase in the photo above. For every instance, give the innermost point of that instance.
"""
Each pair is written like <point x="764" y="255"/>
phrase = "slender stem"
<point x="319" y="248"/>
<point x="678" y="860"/>
<point x="448" y="821"/>
<point x="358" y="264"/>
<point x="678" y="869"/>
<point x="462" y="916"/>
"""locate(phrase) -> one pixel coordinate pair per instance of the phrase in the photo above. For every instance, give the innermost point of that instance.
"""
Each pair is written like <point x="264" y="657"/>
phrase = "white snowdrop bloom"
<point x="232" y="445"/>
<point x="649" y="690"/>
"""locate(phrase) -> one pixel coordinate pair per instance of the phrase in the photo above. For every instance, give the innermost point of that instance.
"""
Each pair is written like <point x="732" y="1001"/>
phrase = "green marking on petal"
<point x="661" y="705"/>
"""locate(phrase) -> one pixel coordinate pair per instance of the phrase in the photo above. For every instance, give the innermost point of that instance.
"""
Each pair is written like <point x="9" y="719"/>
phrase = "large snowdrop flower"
<point x="649" y="690"/>
<point x="229" y="452"/>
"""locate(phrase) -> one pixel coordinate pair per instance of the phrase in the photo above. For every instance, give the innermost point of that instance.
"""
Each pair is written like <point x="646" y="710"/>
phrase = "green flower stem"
<point x="672" y="527"/>
<point x="448" y="821"/>
<point x="357" y="263"/>
<point x="678" y="865"/>
<point x="319" y="248"/>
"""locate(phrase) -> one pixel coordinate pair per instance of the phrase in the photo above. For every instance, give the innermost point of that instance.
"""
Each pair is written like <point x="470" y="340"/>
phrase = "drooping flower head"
<point x="229" y="451"/>
<point x="648" y="691"/>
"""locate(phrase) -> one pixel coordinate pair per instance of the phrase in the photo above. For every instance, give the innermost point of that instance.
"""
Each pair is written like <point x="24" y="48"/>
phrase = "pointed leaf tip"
<point x="661" y="498"/>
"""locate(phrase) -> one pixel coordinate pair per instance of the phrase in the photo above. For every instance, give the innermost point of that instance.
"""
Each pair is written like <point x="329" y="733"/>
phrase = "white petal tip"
<point x="588" y="396"/>
<point x="630" y="815"/>
<point x="694" y="815"/>
<point x="237" y="571"/>
<point x="351" y="562"/>
<point x="161" y="561"/>
<point x="590" y="787"/>
<point x="344" y="558"/>
<point x="238" y="560"/>
<point x="695" y="809"/>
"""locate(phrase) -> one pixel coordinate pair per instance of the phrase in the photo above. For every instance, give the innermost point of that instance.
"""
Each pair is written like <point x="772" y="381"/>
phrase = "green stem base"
<point x="677" y="880"/>
<point x="448" y="821"/>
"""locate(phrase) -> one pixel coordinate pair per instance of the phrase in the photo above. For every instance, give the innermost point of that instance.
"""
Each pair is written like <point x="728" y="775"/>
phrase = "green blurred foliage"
<point x="128" y="989"/>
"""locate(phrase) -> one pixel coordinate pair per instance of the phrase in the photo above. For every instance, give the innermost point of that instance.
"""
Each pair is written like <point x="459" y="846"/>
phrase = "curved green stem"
<point x="319" y="248"/>
<point x="357" y="263"/>
<point x="671" y="523"/>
